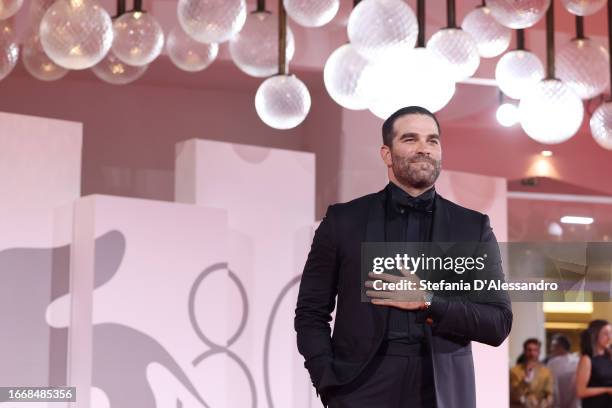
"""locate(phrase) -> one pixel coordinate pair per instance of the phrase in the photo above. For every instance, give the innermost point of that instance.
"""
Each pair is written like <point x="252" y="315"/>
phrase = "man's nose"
<point x="422" y="148"/>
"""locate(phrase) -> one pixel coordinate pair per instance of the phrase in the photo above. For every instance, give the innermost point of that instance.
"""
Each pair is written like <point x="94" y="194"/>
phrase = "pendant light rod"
<point x="282" y="38"/>
<point x="483" y="4"/>
<point x="580" y="28"/>
<point x="120" y="8"/>
<point x="421" y="22"/>
<point x="520" y="39"/>
<point x="451" y="16"/>
<point x="261" y="6"/>
<point x="137" y="5"/>
<point x="355" y="3"/>
<point x="610" y="44"/>
<point x="550" y="41"/>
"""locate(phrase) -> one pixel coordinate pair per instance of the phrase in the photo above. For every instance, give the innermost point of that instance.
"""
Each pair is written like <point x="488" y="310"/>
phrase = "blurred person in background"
<point x="594" y="374"/>
<point x="563" y="364"/>
<point x="531" y="383"/>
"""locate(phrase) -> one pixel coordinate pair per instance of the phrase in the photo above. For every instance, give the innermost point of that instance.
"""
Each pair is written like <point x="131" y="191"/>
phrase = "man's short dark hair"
<point x="387" y="127"/>
<point x="532" y="340"/>
<point x="562" y="341"/>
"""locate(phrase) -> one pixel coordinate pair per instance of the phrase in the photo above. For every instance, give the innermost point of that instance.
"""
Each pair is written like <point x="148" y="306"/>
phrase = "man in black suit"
<point x="395" y="353"/>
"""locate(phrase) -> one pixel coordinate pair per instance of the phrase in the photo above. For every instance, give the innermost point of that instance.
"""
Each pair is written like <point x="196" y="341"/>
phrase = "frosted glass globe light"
<point x="418" y="77"/>
<point x="507" y="114"/>
<point x="584" y="66"/>
<point x="518" y="13"/>
<point x="37" y="63"/>
<point x="601" y="125"/>
<point x="255" y="48"/>
<point x="491" y="37"/>
<point x="282" y="101"/>
<point x="138" y="38"/>
<point x="379" y="27"/>
<point x="518" y="71"/>
<point x="9" y="50"/>
<point x="555" y="229"/>
<point x="189" y="54"/>
<point x="346" y="79"/>
<point x="458" y="49"/>
<point x="76" y="34"/>
<point x="8" y="8"/>
<point x="551" y="112"/>
<point x="583" y="7"/>
<point x="114" y="71"/>
<point x="311" y="13"/>
<point x="211" y="21"/>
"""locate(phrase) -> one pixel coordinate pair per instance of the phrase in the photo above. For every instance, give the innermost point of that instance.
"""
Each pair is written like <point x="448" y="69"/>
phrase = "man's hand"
<point x="401" y="299"/>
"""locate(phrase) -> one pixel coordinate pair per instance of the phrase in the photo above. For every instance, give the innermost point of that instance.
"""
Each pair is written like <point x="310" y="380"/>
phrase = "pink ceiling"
<point x="473" y="139"/>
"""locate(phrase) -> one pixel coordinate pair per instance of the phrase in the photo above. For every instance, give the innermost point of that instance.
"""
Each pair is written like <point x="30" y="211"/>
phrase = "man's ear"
<point x="385" y="154"/>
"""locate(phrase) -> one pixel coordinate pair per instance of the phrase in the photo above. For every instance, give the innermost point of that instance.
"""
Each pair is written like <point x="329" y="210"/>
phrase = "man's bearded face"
<point x="416" y="152"/>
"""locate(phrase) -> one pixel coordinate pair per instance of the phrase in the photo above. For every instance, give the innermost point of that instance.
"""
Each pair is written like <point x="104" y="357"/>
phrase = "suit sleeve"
<point x="316" y="300"/>
<point x="488" y="321"/>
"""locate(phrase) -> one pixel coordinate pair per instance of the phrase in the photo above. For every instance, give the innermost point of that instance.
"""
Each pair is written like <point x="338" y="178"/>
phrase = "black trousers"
<point x="397" y="377"/>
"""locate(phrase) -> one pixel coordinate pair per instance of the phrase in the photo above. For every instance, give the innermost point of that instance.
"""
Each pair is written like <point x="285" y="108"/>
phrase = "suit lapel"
<point x="375" y="232"/>
<point x="441" y="222"/>
<point x="375" y="227"/>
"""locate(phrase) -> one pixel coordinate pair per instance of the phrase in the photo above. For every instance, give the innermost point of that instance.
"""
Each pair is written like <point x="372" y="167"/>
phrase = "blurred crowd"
<point x="565" y="379"/>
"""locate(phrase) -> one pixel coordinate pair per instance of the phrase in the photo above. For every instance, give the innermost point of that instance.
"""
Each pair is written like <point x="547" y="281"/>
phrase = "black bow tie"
<point x="423" y="202"/>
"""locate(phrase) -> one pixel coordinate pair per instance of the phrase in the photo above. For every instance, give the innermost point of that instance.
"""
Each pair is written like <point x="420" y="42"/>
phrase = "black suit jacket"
<point x="333" y="269"/>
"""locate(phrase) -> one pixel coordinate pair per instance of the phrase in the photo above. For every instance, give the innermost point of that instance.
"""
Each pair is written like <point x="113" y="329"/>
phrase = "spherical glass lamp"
<point x="555" y="230"/>
<point x="517" y="71"/>
<point x="551" y="112"/>
<point x="211" y="21"/>
<point x="507" y="114"/>
<point x="114" y="71"/>
<point x="76" y="34"/>
<point x="311" y="13"/>
<point x="418" y="77"/>
<point x="458" y="49"/>
<point x="138" y="39"/>
<point x="518" y="13"/>
<point x="9" y="50"/>
<point x="491" y="37"/>
<point x="255" y="48"/>
<point x="37" y="63"/>
<point x="379" y="27"/>
<point x="345" y="78"/>
<point x="189" y="54"/>
<point x="282" y="101"/>
<point x="8" y="8"/>
<point x="583" y="7"/>
<point x="584" y="66"/>
<point x="601" y="125"/>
